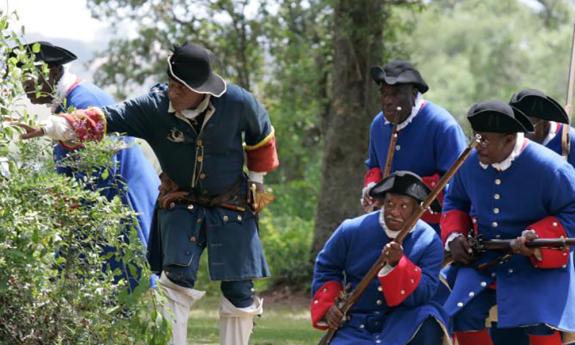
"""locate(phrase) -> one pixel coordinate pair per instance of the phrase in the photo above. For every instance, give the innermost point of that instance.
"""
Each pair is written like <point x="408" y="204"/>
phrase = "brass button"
<point x="193" y="238"/>
<point x="496" y="196"/>
<point x="497" y="181"/>
<point x="202" y="176"/>
<point x="496" y="210"/>
<point x="190" y="207"/>
<point x="200" y="159"/>
<point x="199" y="142"/>
<point x="226" y="218"/>
<point x="239" y="218"/>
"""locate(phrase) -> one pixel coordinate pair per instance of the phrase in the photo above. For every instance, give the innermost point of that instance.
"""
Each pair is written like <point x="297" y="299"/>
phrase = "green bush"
<point x="53" y="288"/>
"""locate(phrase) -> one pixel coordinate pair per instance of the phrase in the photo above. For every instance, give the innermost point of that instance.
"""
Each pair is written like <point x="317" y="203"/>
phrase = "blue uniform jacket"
<point x="555" y="143"/>
<point x="349" y="254"/>
<point x="210" y="162"/>
<point x="430" y="144"/>
<point x="503" y="204"/>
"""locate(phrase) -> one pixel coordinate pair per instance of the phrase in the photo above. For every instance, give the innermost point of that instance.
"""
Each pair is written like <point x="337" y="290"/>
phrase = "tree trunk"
<point x="358" y="32"/>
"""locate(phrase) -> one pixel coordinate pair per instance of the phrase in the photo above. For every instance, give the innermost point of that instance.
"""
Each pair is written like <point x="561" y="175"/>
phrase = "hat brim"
<point x="541" y="107"/>
<point x="214" y="85"/>
<point x="378" y="75"/>
<point x="416" y="191"/>
<point x="496" y="122"/>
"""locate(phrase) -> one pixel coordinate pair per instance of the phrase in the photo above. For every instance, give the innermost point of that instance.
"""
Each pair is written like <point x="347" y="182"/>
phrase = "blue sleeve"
<point x="456" y="196"/>
<point x="561" y="197"/>
<point x="134" y="117"/>
<point x="258" y="124"/>
<point x="330" y="262"/>
<point x="372" y="161"/>
<point x="450" y="143"/>
<point x="430" y="264"/>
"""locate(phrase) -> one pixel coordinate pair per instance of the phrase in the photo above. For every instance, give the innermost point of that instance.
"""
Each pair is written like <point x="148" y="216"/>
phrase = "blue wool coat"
<point x="131" y="177"/>
<point x="210" y="162"/>
<point x="349" y="254"/>
<point x="504" y="203"/>
<point x="555" y="143"/>
<point x="428" y="145"/>
<point x="131" y="168"/>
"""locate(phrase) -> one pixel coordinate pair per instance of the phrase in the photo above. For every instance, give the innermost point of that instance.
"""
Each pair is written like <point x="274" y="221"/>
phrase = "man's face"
<point x="181" y="97"/>
<point x="397" y="101"/>
<point x="397" y="209"/>
<point x="495" y="147"/>
<point x="541" y="129"/>
<point x="47" y="86"/>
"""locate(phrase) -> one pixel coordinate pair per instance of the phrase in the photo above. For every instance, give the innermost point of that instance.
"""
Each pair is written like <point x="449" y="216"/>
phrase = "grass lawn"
<point x="285" y="322"/>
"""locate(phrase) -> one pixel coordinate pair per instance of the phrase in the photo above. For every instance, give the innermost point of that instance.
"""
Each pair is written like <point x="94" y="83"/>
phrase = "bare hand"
<point x="518" y="245"/>
<point x="30" y="132"/>
<point x="393" y="251"/>
<point x="461" y="251"/>
<point x="334" y="317"/>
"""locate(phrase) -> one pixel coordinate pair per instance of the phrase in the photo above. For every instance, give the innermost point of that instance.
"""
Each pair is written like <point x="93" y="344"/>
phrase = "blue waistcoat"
<point x="209" y="162"/>
<point x="426" y="146"/>
<point x="504" y="203"/>
<point x="349" y="254"/>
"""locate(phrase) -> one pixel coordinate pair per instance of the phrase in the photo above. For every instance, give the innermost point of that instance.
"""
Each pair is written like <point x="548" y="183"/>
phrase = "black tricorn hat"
<point x="535" y="103"/>
<point x="190" y="64"/>
<point x="404" y="183"/>
<point x="498" y="117"/>
<point x="399" y="72"/>
<point x="51" y="54"/>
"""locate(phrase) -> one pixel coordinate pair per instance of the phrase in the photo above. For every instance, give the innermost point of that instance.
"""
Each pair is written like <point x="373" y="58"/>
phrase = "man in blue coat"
<point x="200" y="128"/>
<point x="131" y="176"/>
<point x="549" y="120"/>
<point x="429" y="139"/>
<point x="397" y="307"/>
<point x="510" y="188"/>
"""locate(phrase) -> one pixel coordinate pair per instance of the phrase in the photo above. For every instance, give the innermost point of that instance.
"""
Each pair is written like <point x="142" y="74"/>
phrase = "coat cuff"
<point x="263" y="156"/>
<point x="323" y="299"/>
<point x="431" y="182"/>
<point x="88" y="125"/>
<point x="400" y="282"/>
<point x="454" y="221"/>
<point x="372" y="175"/>
<point x="550" y="227"/>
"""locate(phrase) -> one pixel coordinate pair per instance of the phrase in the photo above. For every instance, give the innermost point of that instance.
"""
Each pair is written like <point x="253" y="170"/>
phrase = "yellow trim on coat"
<point x="264" y="141"/>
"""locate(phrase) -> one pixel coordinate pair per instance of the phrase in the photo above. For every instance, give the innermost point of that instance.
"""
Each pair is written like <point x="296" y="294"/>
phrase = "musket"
<point x="391" y="148"/>
<point x="348" y="300"/>
<point x="565" y="140"/>
<point x="390" y="151"/>
<point x="505" y="245"/>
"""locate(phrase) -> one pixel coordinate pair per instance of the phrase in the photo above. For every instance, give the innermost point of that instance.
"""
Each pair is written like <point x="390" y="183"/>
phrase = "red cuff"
<point x="372" y="175"/>
<point x="431" y="182"/>
<point x="454" y="221"/>
<point x="88" y="124"/>
<point x="323" y="299"/>
<point x="398" y="284"/>
<point x="264" y="158"/>
<point x="550" y="227"/>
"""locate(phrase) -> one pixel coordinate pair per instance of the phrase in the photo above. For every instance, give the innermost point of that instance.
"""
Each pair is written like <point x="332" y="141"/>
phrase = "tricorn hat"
<point x="498" y="117"/>
<point x="535" y="103"/>
<point x="399" y="72"/>
<point x="50" y="53"/>
<point x="190" y="64"/>
<point x="404" y="183"/>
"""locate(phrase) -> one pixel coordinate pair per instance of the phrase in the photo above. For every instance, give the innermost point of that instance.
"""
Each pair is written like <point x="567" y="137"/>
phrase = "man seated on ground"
<point x="396" y="308"/>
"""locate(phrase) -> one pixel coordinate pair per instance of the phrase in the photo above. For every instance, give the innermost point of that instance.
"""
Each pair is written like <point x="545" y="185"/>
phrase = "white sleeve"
<point x="58" y="128"/>
<point x="256" y="176"/>
<point x="451" y="238"/>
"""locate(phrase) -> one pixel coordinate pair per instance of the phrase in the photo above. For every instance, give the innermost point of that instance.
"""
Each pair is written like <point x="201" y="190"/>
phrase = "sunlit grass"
<point x="281" y="324"/>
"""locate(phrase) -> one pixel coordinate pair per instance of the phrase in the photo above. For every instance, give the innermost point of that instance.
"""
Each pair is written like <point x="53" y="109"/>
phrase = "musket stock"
<point x="345" y="304"/>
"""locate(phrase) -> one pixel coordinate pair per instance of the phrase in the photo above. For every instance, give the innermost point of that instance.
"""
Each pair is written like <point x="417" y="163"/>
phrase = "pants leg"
<point x="177" y="310"/>
<point x="429" y="333"/>
<point x="504" y="336"/>
<point x="237" y="311"/>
